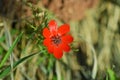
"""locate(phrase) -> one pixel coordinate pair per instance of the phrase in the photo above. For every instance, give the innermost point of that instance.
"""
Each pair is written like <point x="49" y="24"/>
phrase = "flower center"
<point x="56" y="40"/>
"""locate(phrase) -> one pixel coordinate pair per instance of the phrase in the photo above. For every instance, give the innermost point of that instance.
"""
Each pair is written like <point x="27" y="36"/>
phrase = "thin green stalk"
<point x="10" y="50"/>
<point x="8" y="69"/>
<point x="9" y="43"/>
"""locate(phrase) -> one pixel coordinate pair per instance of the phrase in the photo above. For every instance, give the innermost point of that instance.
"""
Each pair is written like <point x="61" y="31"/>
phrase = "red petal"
<point x="50" y="48"/>
<point x="67" y="39"/>
<point x="65" y="47"/>
<point x="52" y="26"/>
<point x="63" y="29"/>
<point x="46" y="42"/>
<point x="58" y="52"/>
<point x="46" y="33"/>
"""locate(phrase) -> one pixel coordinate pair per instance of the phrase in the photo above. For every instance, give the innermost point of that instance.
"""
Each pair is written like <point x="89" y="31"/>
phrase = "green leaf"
<point x="10" y="50"/>
<point x="2" y="38"/>
<point x="111" y="74"/>
<point x="7" y="70"/>
<point x="1" y="50"/>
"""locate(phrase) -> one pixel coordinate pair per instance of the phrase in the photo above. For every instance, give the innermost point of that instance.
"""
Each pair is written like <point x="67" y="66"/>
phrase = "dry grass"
<point x="97" y="37"/>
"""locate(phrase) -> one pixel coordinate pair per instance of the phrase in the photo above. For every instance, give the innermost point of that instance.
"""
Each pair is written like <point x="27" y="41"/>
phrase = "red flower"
<point x="56" y="39"/>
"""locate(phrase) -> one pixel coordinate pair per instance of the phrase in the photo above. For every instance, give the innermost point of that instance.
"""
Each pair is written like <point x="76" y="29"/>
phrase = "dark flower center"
<point x="56" y="40"/>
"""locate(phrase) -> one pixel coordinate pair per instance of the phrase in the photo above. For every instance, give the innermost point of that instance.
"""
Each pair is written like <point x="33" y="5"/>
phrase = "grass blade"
<point x="7" y="70"/>
<point x="111" y="74"/>
<point x="10" y="50"/>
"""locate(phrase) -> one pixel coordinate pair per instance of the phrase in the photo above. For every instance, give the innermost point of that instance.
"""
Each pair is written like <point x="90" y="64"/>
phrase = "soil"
<point x="68" y="10"/>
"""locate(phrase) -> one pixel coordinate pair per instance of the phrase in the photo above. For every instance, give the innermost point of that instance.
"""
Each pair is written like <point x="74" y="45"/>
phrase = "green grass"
<point x="10" y="50"/>
<point x="7" y="70"/>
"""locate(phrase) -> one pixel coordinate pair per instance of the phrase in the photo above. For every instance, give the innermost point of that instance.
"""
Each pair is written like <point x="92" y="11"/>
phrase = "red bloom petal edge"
<point x="58" y="52"/>
<point x="63" y="29"/>
<point x="52" y="25"/>
<point x="46" y="33"/>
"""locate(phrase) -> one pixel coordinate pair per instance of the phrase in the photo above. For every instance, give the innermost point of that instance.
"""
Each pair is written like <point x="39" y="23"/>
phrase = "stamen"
<point x="56" y="39"/>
